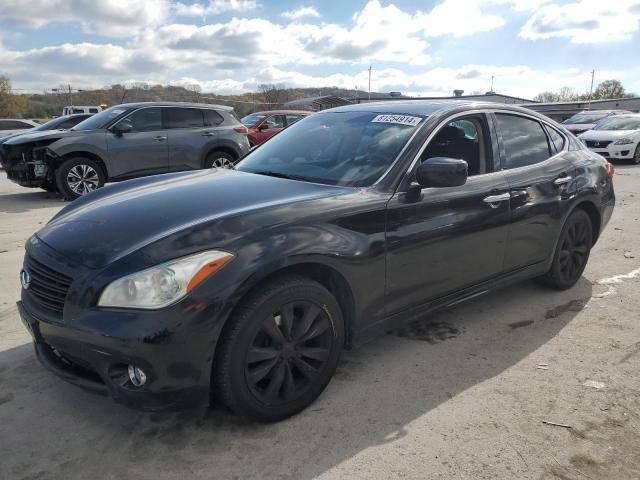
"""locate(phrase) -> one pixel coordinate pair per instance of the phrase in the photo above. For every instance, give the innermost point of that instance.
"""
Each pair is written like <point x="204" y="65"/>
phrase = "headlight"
<point x="164" y="284"/>
<point x="623" y="141"/>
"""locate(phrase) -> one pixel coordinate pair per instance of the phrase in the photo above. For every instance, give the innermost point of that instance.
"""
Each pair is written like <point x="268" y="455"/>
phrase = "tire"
<point x="260" y="371"/>
<point x="48" y="186"/>
<point x="89" y="172"/>
<point x="572" y="252"/>
<point x="636" y="156"/>
<point x="218" y="159"/>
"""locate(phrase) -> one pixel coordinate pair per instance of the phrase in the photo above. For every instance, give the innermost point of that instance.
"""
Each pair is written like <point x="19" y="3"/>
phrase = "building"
<point x="458" y="95"/>
<point x="560" y="111"/>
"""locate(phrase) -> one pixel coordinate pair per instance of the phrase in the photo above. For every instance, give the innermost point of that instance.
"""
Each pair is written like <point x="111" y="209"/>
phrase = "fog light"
<point x="137" y="376"/>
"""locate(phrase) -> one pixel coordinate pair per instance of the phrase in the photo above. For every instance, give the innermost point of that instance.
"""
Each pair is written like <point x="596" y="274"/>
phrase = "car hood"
<point x="42" y="135"/>
<point x="112" y="222"/>
<point x="608" y="134"/>
<point x="579" y="127"/>
<point x="5" y="134"/>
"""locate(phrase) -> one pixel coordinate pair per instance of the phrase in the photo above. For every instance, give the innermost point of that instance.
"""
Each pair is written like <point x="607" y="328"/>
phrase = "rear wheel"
<point x="279" y="350"/>
<point x="572" y="252"/>
<point x="78" y="176"/>
<point x="219" y="160"/>
<point x="636" y="155"/>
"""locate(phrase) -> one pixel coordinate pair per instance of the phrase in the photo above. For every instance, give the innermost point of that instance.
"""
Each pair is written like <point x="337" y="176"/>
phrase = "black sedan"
<point x="245" y="285"/>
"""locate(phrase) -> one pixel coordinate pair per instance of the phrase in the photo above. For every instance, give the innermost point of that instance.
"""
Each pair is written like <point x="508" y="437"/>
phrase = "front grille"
<point x="48" y="287"/>
<point x="598" y="144"/>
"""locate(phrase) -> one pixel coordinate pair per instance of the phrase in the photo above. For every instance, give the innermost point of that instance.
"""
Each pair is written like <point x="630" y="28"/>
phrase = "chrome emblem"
<point x="25" y="279"/>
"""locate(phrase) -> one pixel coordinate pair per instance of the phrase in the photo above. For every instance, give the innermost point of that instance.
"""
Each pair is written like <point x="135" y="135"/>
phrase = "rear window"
<point x="212" y="118"/>
<point x="184" y="118"/>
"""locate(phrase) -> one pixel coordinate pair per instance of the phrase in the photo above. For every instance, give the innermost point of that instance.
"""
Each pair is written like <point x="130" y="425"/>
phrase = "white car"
<point x="616" y="138"/>
<point x="9" y="126"/>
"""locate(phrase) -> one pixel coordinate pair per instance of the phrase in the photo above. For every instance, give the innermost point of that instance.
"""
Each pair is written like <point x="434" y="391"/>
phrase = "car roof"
<point x="427" y="107"/>
<point x="283" y="112"/>
<point x="603" y="111"/>
<point x="175" y="104"/>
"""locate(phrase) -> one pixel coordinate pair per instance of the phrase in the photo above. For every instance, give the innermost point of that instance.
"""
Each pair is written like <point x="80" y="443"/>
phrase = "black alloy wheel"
<point x="219" y="160"/>
<point x="572" y="252"/>
<point x="279" y="350"/>
<point x="289" y="352"/>
<point x="636" y="156"/>
<point x="78" y="176"/>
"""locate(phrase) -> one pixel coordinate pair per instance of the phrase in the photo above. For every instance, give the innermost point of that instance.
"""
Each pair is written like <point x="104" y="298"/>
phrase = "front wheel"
<point x="636" y="155"/>
<point x="572" y="252"/>
<point x="279" y="350"/>
<point x="219" y="160"/>
<point x="78" y="176"/>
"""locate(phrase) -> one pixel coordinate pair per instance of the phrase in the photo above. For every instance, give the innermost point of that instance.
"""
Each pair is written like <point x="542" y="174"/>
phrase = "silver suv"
<point x="127" y="141"/>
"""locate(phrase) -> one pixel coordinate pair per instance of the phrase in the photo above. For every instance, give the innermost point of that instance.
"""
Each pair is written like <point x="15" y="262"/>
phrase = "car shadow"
<point x="29" y="200"/>
<point x="49" y="429"/>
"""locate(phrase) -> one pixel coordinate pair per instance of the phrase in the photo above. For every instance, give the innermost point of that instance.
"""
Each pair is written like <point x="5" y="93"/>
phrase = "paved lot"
<point x="458" y="396"/>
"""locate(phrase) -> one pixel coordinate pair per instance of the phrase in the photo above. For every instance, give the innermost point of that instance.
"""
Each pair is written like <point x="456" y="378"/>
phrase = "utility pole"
<point x="491" y="89"/>
<point x="369" y="82"/>
<point x="593" y="72"/>
<point x="70" y="96"/>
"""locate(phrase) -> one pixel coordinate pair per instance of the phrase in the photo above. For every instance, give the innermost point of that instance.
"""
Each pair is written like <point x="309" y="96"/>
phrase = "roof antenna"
<point x="491" y="89"/>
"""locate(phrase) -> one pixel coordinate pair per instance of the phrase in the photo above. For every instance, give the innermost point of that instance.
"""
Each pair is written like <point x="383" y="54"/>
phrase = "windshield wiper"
<point x="288" y="176"/>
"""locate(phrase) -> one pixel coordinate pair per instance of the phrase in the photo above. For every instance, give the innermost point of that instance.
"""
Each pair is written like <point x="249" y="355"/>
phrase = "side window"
<point x="13" y="125"/>
<point x="556" y="139"/>
<point x="212" y="118"/>
<point x="5" y="125"/>
<point x="68" y="123"/>
<point x="465" y="138"/>
<point x="276" y="121"/>
<point x="291" y="119"/>
<point x="525" y="141"/>
<point x="184" y="118"/>
<point x="93" y="110"/>
<point x="146" y="120"/>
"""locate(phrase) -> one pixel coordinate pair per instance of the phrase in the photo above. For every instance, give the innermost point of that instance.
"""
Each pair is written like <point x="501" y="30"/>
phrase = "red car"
<point x="264" y="125"/>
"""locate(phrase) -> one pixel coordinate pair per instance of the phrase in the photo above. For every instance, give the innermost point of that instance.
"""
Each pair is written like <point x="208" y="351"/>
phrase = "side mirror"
<point x="123" y="126"/>
<point x="264" y="126"/>
<point x="442" y="172"/>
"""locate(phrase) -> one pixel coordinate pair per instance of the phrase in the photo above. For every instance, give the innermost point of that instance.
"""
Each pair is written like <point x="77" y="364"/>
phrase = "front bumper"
<point x="98" y="363"/>
<point x="616" y="152"/>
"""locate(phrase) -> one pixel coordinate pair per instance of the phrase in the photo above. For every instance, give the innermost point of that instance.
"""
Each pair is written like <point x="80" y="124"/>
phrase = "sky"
<point x="426" y="47"/>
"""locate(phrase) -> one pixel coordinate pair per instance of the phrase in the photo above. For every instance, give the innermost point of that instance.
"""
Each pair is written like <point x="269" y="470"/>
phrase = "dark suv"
<point x="127" y="141"/>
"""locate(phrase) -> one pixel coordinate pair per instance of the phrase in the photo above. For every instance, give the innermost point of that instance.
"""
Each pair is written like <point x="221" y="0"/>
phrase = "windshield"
<point x="618" y="123"/>
<point x="100" y="120"/>
<point x="351" y="149"/>
<point x="253" y="119"/>
<point x="585" y="118"/>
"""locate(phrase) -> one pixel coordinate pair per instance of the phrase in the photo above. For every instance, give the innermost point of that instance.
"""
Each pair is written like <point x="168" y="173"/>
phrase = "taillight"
<point x="244" y="130"/>
<point x="610" y="170"/>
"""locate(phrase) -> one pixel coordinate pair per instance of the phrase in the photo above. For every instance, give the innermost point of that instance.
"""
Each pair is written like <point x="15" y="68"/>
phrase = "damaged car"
<point x="126" y="141"/>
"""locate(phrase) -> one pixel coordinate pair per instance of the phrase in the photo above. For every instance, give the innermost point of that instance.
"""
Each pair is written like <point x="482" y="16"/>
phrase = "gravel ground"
<point x="460" y="395"/>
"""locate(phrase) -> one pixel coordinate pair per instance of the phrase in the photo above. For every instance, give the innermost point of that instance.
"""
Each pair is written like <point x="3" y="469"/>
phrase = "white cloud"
<point x="458" y="18"/>
<point x="214" y="7"/>
<point x="117" y="18"/>
<point x="585" y="21"/>
<point x="301" y="12"/>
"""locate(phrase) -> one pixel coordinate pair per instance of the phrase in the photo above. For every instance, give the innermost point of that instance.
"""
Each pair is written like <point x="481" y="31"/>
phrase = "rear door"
<point x="189" y="136"/>
<point x="142" y="151"/>
<point x="540" y="174"/>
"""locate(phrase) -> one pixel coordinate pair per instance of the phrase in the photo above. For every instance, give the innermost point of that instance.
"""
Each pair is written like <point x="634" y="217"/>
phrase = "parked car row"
<point x="615" y="137"/>
<point x="134" y="140"/>
<point x="246" y="284"/>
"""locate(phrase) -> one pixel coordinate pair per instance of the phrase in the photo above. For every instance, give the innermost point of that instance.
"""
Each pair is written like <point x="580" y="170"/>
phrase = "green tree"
<point x="610" y="89"/>
<point x="10" y="105"/>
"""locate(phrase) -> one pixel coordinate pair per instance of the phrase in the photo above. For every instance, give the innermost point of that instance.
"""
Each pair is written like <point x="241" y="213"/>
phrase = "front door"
<point x="142" y="151"/>
<point x="269" y="127"/>
<point x="540" y="175"/>
<point x="440" y="240"/>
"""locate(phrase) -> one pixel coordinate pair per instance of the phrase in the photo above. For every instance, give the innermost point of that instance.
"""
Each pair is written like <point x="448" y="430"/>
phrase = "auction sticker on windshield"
<point x="398" y="119"/>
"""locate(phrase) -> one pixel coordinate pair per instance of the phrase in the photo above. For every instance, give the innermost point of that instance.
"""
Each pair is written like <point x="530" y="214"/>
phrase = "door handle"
<point x="160" y="138"/>
<point x="562" y="180"/>
<point x="208" y="134"/>
<point x="494" y="200"/>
